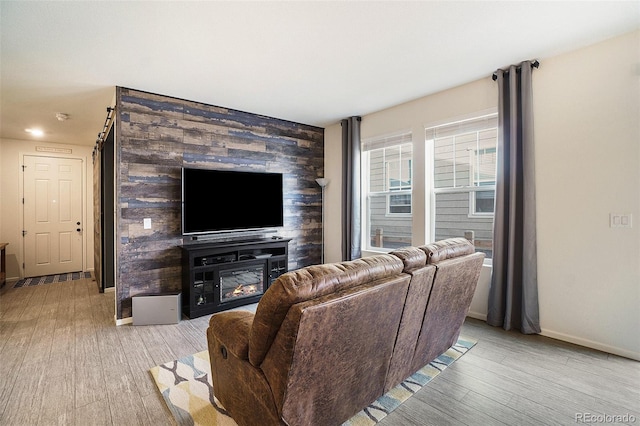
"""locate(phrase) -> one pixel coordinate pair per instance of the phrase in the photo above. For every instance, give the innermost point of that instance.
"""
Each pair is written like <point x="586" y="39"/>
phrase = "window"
<point x="483" y="166"/>
<point x="387" y="164"/>
<point x="399" y="204"/>
<point x="464" y="179"/>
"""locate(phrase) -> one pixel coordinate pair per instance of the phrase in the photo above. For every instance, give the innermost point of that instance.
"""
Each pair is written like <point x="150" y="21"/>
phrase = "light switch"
<point x="620" y="220"/>
<point x="147" y="223"/>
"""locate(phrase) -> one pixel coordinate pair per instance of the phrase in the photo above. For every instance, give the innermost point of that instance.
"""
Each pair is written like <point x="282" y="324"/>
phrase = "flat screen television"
<point x="224" y="201"/>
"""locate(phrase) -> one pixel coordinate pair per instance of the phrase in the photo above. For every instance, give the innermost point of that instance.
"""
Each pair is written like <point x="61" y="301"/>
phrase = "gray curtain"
<point x="513" y="297"/>
<point x="351" y="233"/>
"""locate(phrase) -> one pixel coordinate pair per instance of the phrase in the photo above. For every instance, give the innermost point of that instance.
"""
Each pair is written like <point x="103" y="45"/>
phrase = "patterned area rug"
<point x="185" y="385"/>
<point x="48" y="279"/>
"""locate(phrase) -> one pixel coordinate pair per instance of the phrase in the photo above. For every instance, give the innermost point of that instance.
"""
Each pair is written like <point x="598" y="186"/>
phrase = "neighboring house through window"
<point x="460" y="182"/>
<point x="387" y="164"/>
<point x="464" y="179"/>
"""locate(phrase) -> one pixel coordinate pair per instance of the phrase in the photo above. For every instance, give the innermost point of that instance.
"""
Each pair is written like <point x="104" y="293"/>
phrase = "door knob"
<point x="77" y="223"/>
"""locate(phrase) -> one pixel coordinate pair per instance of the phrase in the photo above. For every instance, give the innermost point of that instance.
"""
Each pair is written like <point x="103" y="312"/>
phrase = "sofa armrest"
<point x="231" y="330"/>
<point x="241" y="387"/>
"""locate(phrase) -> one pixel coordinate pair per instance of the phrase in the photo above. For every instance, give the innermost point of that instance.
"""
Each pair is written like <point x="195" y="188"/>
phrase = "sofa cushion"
<point x="411" y="322"/>
<point x="412" y="257"/>
<point x="458" y="268"/>
<point x="308" y="283"/>
<point x="343" y="345"/>
<point x="447" y="249"/>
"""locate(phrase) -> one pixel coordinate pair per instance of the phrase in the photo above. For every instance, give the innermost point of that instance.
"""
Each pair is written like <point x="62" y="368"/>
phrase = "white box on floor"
<point x="155" y="309"/>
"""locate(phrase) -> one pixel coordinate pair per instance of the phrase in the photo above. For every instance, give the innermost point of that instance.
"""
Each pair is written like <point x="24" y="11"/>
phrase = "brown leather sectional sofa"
<point x="327" y="340"/>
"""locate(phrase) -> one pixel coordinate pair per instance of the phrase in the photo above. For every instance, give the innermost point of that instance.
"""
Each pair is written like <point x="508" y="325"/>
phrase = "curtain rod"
<point x="105" y="127"/>
<point x="103" y="133"/>
<point x="534" y="64"/>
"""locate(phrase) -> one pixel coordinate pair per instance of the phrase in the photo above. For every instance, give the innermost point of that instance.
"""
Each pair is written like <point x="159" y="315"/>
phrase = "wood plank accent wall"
<point x="156" y="136"/>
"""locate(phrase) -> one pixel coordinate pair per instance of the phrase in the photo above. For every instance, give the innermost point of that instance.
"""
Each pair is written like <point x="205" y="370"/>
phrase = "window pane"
<point x="392" y="158"/>
<point x="443" y="163"/>
<point x="398" y="161"/>
<point x="406" y="157"/>
<point x="484" y="163"/>
<point x="452" y="160"/>
<point x="452" y="220"/>
<point x="376" y="170"/>
<point x="484" y="201"/>
<point x="400" y="203"/>
<point x="388" y="231"/>
<point x="464" y="179"/>
<point x="388" y="198"/>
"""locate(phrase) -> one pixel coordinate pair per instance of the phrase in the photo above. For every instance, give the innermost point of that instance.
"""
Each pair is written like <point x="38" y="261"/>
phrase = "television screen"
<point x="223" y="200"/>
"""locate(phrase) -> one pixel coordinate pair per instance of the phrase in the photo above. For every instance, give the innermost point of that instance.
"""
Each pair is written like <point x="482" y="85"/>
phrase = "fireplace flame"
<point x="244" y="289"/>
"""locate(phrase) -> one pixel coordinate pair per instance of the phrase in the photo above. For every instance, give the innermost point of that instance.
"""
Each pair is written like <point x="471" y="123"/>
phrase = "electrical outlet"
<point x="620" y="220"/>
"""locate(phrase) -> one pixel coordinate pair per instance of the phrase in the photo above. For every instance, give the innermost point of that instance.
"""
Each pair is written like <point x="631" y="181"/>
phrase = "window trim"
<point x="431" y="191"/>
<point x="472" y="202"/>
<point x="389" y="194"/>
<point x="479" y="185"/>
<point x="371" y="144"/>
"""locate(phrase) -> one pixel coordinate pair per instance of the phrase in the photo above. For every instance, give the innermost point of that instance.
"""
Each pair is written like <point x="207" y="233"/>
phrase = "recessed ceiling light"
<point x="35" y="132"/>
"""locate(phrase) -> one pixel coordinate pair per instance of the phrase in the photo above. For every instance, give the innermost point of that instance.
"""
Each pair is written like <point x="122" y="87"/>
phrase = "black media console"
<point x="217" y="276"/>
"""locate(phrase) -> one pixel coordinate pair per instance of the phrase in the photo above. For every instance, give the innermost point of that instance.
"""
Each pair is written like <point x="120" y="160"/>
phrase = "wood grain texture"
<point x="91" y="372"/>
<point x="157" y="135"/>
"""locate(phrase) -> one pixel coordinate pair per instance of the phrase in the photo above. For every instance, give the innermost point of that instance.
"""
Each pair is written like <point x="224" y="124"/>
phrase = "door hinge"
<point x="23" y="167"/>
<point x="24" y="233"/>
<point x="22" y="265"/>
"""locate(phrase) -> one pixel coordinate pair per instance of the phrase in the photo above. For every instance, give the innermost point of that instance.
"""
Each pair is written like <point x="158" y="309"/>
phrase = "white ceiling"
<point x="308" y="62"/>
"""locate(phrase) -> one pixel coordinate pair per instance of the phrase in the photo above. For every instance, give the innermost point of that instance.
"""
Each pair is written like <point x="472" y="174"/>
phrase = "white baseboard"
<point x="591" y="344"/>
<point x="575" y="340"/>
<point x="124" y="321"/>
<point x="477" y="315"/>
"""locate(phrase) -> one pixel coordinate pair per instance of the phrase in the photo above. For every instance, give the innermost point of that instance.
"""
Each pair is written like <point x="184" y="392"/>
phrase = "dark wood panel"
<point x="157" y="135"/>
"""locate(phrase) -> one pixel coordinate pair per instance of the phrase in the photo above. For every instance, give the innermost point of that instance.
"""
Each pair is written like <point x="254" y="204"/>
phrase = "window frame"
<point x="390" y="194"/>
<point x="480" y="185"/>
<point x="468" y="187"/>
<point x="473" y="212"/>
<point x="400" y="139"/>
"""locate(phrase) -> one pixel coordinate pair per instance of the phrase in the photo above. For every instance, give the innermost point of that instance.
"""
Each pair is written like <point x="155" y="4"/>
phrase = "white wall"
<point x="11" y="153"/>
<point x="587" y="130"/>
<point x="586" y="106"/>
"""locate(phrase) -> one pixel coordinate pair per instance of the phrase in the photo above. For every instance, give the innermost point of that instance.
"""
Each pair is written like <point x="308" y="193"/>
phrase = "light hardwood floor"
<point x="64" y="362"/>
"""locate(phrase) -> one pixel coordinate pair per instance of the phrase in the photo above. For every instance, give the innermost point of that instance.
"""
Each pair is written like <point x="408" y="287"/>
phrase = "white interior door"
<point x="52" y="215"/>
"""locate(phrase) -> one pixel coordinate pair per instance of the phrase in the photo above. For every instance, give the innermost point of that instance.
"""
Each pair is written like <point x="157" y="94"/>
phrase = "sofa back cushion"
<point x="309" y="283"/>
<point x="422" y="275"/>
<point x="447" y="249"/>
<point x="458" y="268"/>
<point x="331" y="355"/>
<point x="412" y="257"/>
